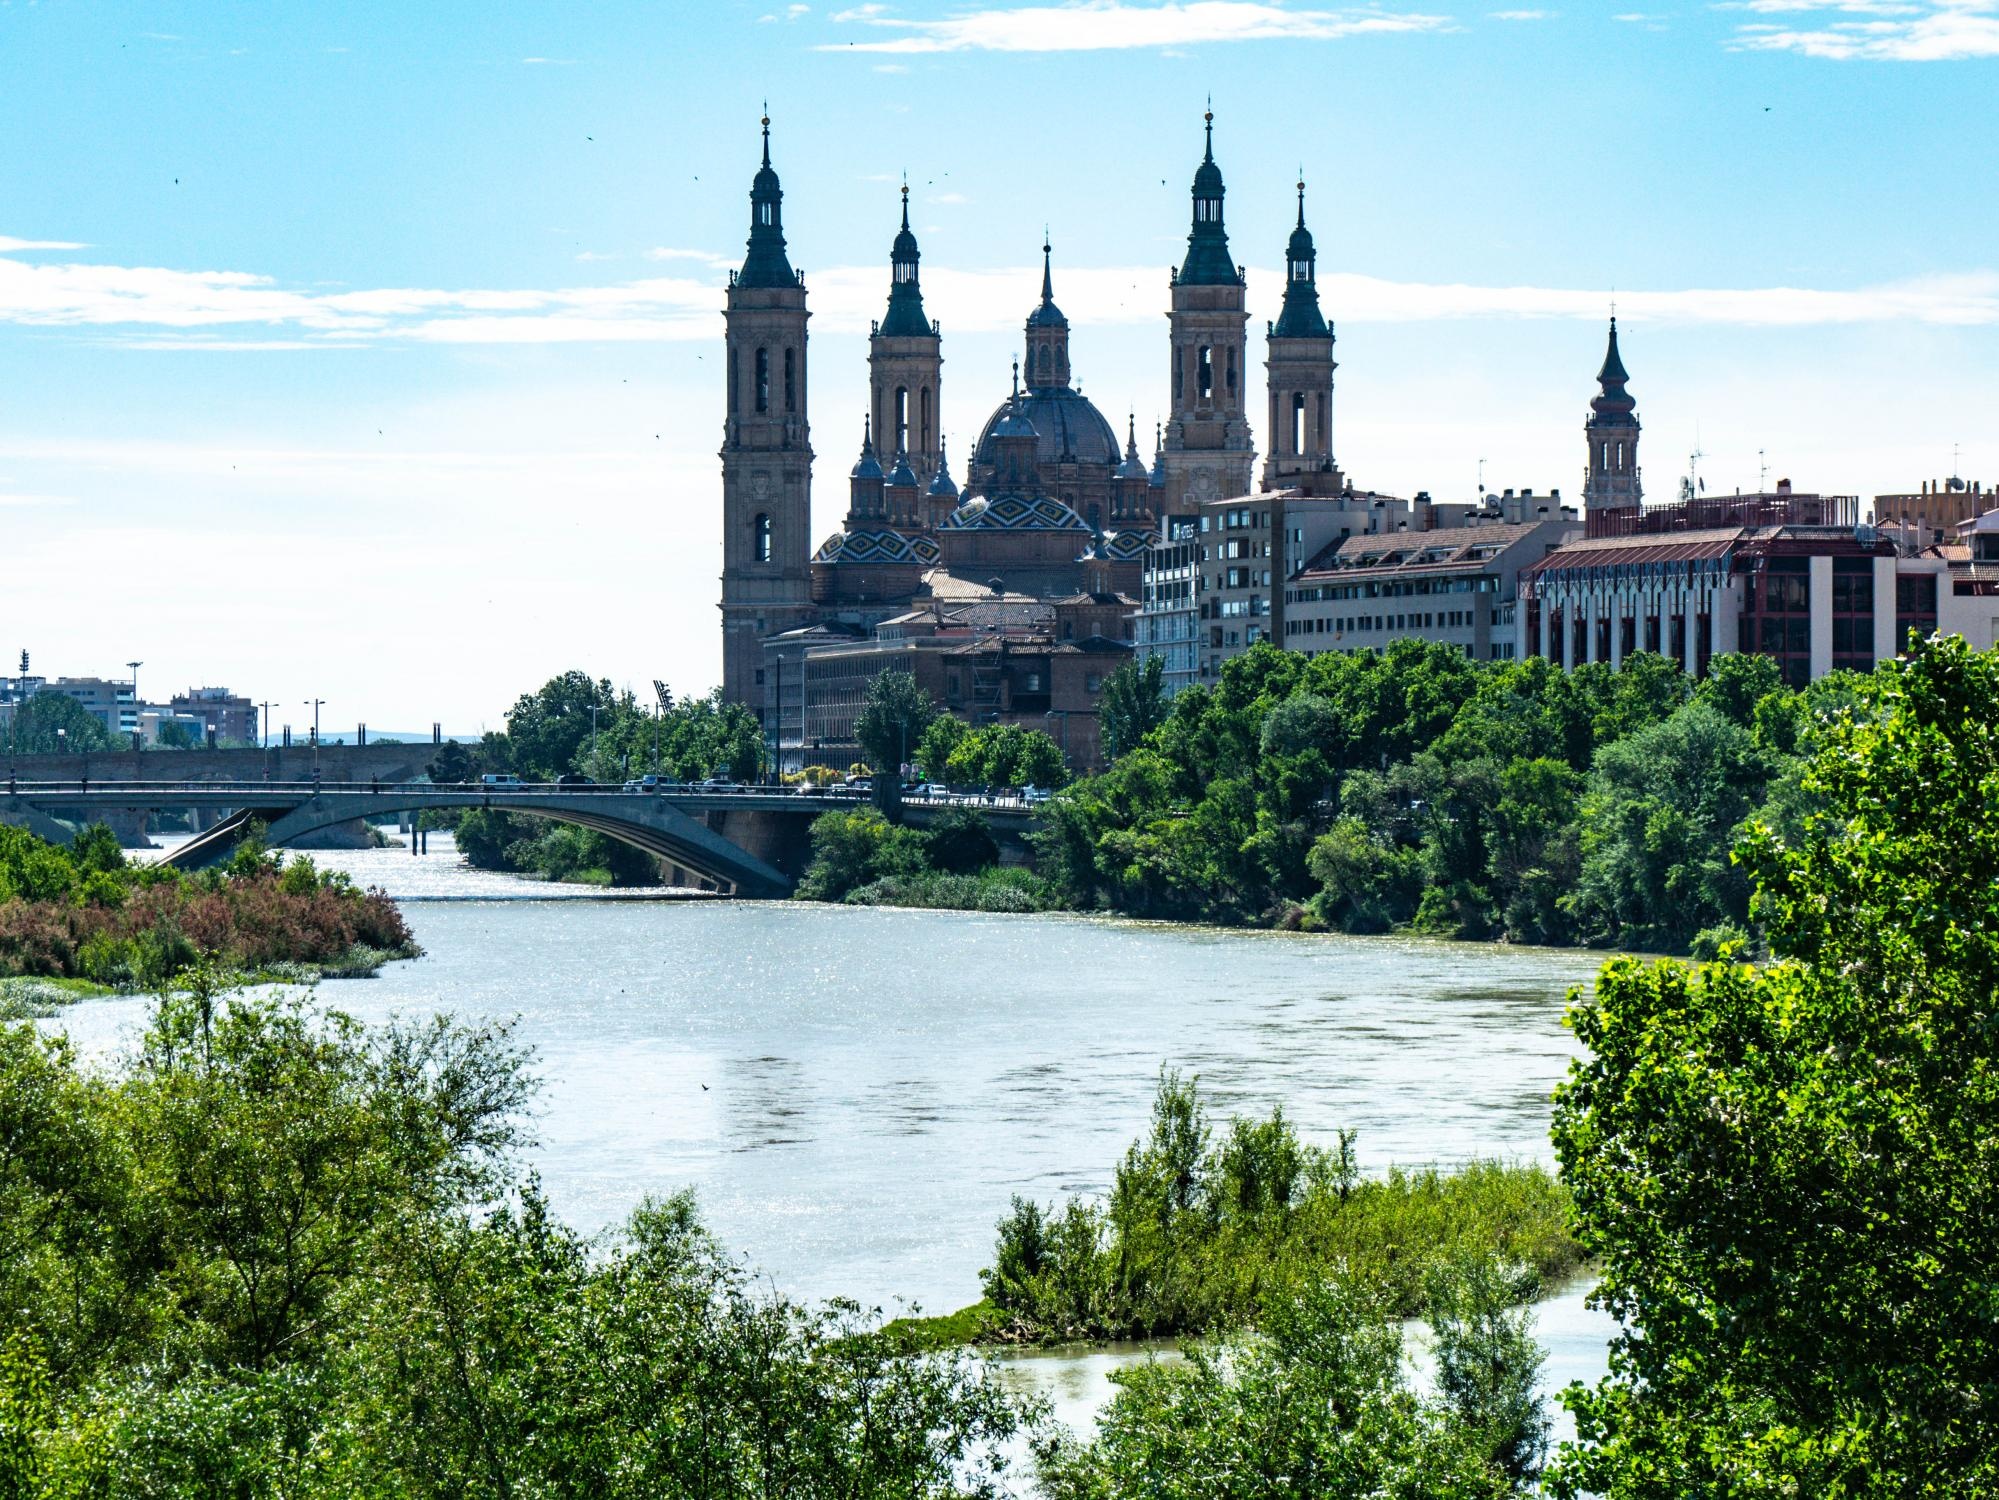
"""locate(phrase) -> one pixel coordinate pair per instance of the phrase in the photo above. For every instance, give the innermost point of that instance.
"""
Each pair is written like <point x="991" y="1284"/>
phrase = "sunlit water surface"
<point x="854" y="1095"/>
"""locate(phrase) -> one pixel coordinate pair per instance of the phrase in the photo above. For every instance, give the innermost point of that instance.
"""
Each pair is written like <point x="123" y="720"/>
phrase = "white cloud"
<point x="671" y="252"/>
<point x="594" y="255"/>
<point x="9" y="245"/>
<point x="233" y="310"/>
<point x="1934" y="31"/>
<point x="1099" y="25"/>
<point x="952" y="198"/>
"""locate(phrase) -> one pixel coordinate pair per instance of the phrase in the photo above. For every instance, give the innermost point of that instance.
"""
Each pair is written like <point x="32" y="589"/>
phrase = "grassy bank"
<point x="1204" y="1228"/>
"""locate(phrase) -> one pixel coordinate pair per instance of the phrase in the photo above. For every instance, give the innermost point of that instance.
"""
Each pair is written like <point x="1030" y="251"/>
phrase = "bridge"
<point x="751" y="840"/>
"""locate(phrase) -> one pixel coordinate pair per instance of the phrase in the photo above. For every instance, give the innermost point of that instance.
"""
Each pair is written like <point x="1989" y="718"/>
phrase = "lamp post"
<point x="314" y="705"/>
<point x="264" y="718"/>
<point x="135" y="665"/>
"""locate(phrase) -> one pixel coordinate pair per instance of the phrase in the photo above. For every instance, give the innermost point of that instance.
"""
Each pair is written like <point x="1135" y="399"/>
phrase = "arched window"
<point x="763" y="380"/>
<point x="735" y="378"/>
<point x="766" y="213"/>
<point x="1204" y="372"/>
<point x="760" y="537"/>
<point x="1178" y="382"/>
<point x="1231" y="372"/>
<point x="901" y="417"/>
<point x="791" y="380"/>
<point x="1298" y="423"/>
<point x="923" y="427"/>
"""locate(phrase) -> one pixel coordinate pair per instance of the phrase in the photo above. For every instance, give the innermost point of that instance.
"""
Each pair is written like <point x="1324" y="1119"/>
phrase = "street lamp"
<point x="314" y="705"/>
<point x="135" y="665"/>
<point x="264" y="711"/>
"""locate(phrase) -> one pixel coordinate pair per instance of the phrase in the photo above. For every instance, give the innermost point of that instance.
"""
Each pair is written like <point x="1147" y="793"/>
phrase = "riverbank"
<point x="83" y="912"/>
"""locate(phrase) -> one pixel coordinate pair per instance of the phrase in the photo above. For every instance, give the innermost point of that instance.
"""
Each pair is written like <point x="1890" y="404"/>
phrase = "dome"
<point x="877" y="545"/>
<point x="1067" y="425"/>
<point x="1014" y="513"/>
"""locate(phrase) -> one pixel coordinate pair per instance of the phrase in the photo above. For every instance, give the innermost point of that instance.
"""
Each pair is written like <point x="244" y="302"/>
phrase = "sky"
<point x="371" y="352"/>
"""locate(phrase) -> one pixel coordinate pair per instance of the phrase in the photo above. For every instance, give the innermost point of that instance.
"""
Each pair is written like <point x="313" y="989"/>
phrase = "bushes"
<point x="100" y="919"/>
<point x="275" y="1254"/>
<point x="1200" y="1234"/>
<point x="862" y="858"/>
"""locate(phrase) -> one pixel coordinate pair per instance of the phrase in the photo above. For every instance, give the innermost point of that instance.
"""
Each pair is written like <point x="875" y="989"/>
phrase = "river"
<point x="855" y="1094"/>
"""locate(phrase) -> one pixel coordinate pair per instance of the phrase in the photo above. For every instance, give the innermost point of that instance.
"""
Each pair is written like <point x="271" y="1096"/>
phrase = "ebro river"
<point x="854" y="1095"/>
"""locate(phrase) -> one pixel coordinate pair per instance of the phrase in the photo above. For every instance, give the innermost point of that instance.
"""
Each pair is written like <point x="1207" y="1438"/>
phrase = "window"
<point x="763" y="380"/>
<point x="1204" y="373"/>
<point x="765" y="214"/>
<point x="735" y="379"/>
<point x="760" y="535"/>
<point x="790" y="380"/>
<point x="901" y="417"/>
<point x="1298" y="425"/>
<point x="923" y="430"/>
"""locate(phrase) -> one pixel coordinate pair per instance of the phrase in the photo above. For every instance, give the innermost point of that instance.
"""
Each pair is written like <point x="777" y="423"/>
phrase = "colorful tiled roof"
<point x="882" y="546"/>
<point x="1014" y="513"/>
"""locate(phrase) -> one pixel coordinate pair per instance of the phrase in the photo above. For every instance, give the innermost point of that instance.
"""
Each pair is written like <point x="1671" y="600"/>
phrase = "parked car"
<point x="499" y="778"/>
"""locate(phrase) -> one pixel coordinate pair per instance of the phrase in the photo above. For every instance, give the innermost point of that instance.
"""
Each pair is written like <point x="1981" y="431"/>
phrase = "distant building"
<point x="1937" y="509"/>
<point x="221" y="714"/>
<point x="112" y="702"/>
<point x="1007" y="659"/>
<point x="1455" y="586"/>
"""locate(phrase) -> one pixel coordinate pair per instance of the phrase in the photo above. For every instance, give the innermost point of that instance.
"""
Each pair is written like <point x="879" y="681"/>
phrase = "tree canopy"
<point x="1787" y="1172"/>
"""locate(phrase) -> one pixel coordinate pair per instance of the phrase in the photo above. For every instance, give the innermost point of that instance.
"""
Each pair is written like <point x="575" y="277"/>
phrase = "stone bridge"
<point x="750" y="840"/>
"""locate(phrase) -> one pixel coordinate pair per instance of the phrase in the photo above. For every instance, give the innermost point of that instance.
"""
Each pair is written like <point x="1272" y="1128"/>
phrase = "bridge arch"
<point x="648" y="823"/>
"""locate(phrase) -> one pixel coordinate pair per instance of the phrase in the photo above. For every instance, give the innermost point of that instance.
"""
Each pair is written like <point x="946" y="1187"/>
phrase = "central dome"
<point x="1067" y="428"/>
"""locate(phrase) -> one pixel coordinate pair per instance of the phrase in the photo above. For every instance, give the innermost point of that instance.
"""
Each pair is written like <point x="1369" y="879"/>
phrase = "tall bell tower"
<point x="1612" y="433"/>
<point x="1209" y="453"/>
<point x="766" y="449"/>
<point x="906" y="363"/>
<point x="1300" y="367"/>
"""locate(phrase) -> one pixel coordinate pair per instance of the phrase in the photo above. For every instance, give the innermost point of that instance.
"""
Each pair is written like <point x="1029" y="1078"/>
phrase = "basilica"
<point x="1055" y="513"/>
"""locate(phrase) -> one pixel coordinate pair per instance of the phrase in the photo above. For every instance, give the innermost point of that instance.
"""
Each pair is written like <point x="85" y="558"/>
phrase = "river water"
<point x="855" y="1094"/>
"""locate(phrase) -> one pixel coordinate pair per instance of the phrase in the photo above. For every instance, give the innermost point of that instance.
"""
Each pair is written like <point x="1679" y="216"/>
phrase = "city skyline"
<point x="459" y="288"/>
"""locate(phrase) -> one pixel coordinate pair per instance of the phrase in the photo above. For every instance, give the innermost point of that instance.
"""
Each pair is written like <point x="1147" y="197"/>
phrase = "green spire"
<point x="905" y="318"/>
<point x="1208" y="260"/>
<point x="766" y="264"/>
<point x="1301" y="318"/>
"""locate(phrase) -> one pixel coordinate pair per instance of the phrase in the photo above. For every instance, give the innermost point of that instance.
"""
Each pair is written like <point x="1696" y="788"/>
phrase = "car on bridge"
<point x="499" y="778"/>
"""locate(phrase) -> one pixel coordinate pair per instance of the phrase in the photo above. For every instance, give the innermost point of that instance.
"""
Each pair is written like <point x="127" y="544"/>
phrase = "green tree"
<point x="50" y="722"/>
<point x="1133" y="704"/>
<point x="933" y="752"/>
<point x="548" y="728"/>
<point x="1786" y="1173"/>
<point x="893" y="719"/>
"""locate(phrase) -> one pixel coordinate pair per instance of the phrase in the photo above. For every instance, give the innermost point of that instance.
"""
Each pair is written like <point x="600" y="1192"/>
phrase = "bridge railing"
<point x="110" y="789"/>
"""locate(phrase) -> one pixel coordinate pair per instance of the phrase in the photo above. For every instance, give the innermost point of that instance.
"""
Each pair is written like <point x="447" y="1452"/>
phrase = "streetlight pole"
<point x="135" y="665"/>
<point x="314" y="705"/>
<point x="265" y="720"/>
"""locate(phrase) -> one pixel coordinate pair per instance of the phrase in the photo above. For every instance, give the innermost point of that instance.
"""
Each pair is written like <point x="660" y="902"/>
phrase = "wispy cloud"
<point x="16" y="498"/>
<point x="1102" y="25"/>
<point x="237" y="311"/>
<point x="9" y="245"/>
<point x="1519" y="15"/>
<point x="1873" y="30"/>
<point x="674" y="252"/>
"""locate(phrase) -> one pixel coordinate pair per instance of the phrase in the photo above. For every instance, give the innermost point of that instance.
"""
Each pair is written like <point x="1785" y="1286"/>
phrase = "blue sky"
<point x="367" y="352"/>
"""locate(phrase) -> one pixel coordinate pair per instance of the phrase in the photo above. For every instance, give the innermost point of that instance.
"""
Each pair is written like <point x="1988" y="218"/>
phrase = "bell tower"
<point x="766" y="448"/>
<point x="906" y="364"/>
<point x="1612" y="433"/>
<point x="1301" y="369"/>
<point x="1209" y="453"/>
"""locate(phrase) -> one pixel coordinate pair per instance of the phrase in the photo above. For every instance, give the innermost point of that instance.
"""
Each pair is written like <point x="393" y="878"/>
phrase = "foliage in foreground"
<point x="278" y="1255"/>
<point x="1205" y="1230"/>
<point x="1788" y="1174"/>
<point x="84" y="912"/>
<point x="1318" y="1403"/>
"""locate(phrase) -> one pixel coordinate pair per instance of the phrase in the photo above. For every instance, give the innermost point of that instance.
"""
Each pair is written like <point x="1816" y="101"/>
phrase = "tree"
<point x="1786" y="1173"/>
<point x="175" y="735"/>
<point x="933" y="752"/>
<point x="893" y="719"/>
<point x="52" y="722"/>
<point x="1132" y="706"/>
<point x="550" y="726"/>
